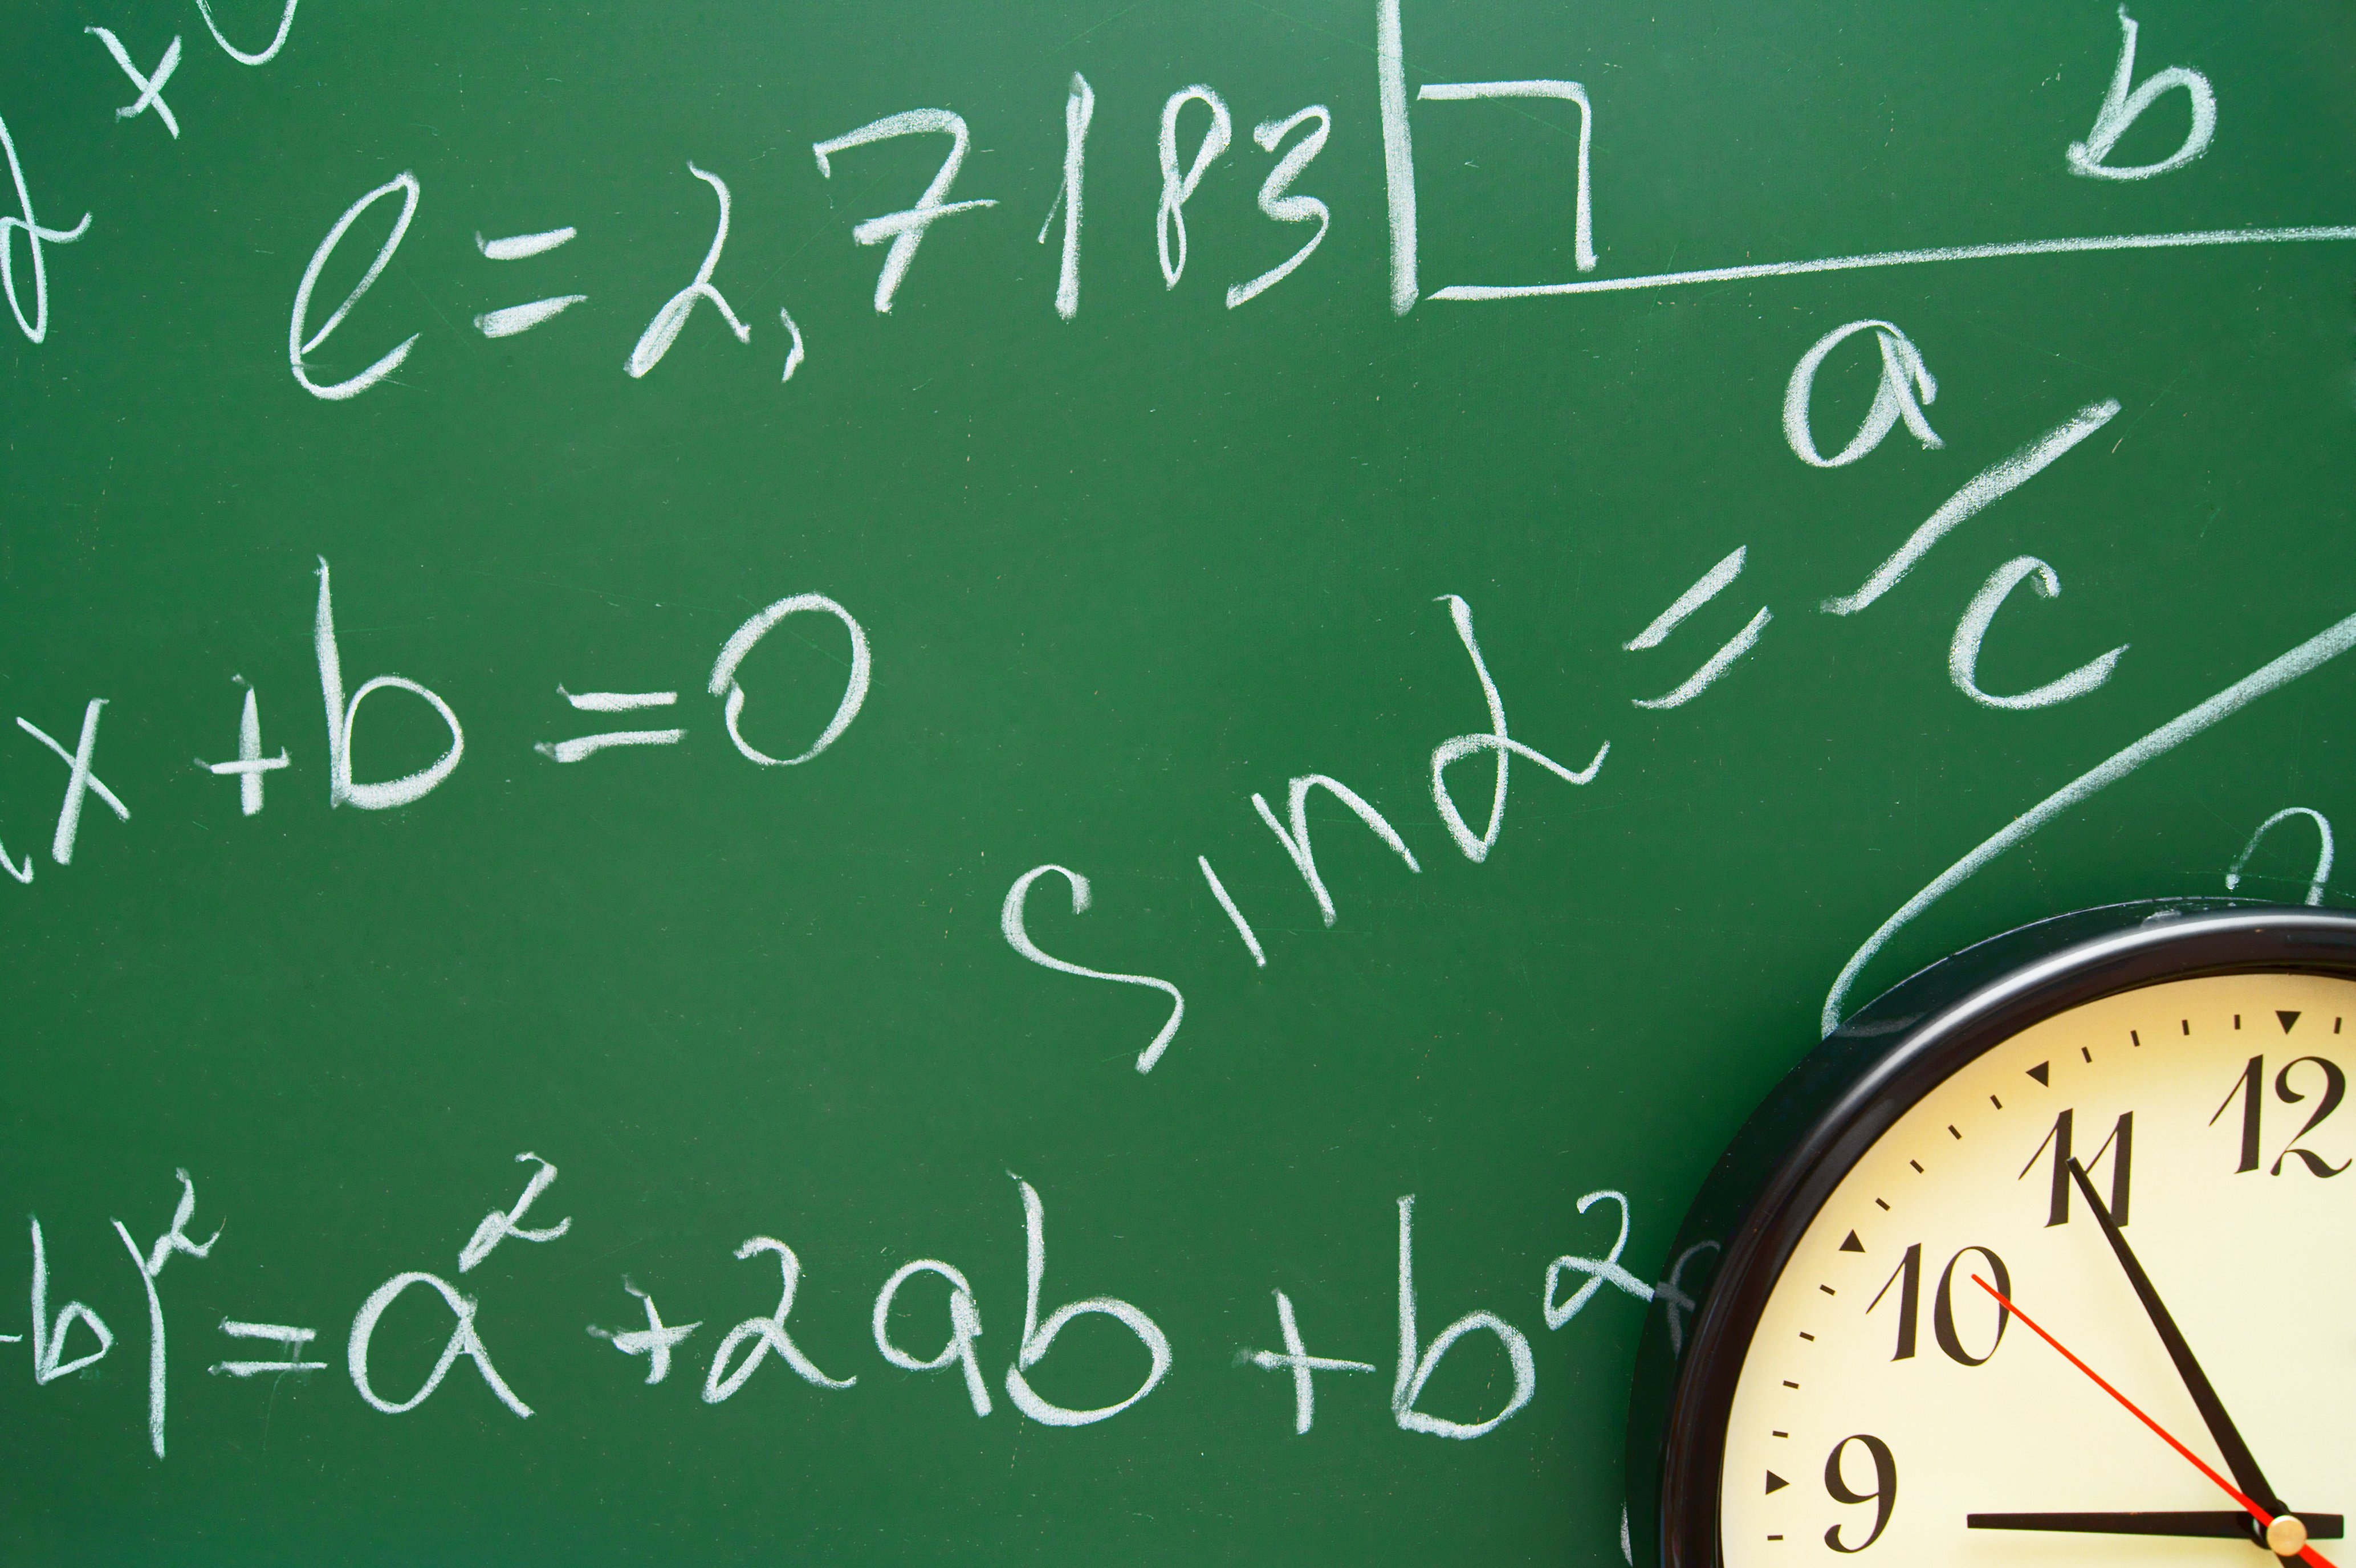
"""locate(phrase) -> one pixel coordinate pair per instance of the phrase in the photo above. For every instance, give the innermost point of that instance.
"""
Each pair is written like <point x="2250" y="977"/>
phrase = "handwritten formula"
<point x="882" y="785"/>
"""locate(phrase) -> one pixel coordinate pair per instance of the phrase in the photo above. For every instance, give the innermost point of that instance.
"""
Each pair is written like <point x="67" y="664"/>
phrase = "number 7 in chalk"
<point x="906" y="230"/>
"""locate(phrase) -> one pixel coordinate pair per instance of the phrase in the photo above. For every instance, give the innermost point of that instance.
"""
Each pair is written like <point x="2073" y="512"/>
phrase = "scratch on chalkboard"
<point x="2144" y="412"/>
<point x="1083" y="32"/>
<point x="419" y="291"/>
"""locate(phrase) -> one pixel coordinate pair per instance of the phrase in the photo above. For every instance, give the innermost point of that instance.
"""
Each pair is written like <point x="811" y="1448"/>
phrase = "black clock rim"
<point x="1850" y="1091"/>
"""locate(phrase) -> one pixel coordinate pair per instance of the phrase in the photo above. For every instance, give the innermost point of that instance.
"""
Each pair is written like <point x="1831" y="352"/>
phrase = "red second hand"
<point x="2308" y="1554"/>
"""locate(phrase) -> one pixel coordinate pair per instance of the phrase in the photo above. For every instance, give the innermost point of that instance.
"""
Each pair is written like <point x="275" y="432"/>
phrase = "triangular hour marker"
<point x="1775" y="1483"/>
<point x="2041" y="1070"/>
<point x="2288" y="1019"/>
<point x="1852" y="1244"/>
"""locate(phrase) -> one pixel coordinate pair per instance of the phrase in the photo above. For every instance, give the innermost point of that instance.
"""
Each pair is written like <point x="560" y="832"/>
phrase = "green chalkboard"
<point x="1047" y="578"/>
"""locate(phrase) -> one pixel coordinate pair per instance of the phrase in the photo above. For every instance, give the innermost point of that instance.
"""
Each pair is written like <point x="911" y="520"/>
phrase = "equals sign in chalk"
<point x="277" y="1334"/>
<point x="582" y="746"/>
<point x="509" y="320"/>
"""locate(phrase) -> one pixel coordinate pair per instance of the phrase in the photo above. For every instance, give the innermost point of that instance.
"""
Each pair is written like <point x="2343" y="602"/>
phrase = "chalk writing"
<point x="766" y="1334"/>
<point x="656" y="1341"/>
<point x="1964" y="653"/>
<point x="1417" y="1361"/>
<point x="906" y="230"/>
<point x="750" y="1343"/>
<point x="1275" y="201"/>
<point x="1013" y="922"/>
<point x="251" y="767"/>
<point x="36" y="326"/>
<point x="1906" y="385"/>
<point x="1296" y="1360"/>
<point x="2323" y="850"/>
<point x="80" y="783"/>
<point x="464" y="1340"/>
<point x="2125" y="103"/>
<point x="150" y="1263"/>
<point x="285" y="1333"/>
<point x="263" y="56"/>
<point x="299" y="346"/>
<point x="50" y="1335"/>
<point x="1080" y="110"/>
<point x="672" y="320"/>
<point x="150" y="84"/>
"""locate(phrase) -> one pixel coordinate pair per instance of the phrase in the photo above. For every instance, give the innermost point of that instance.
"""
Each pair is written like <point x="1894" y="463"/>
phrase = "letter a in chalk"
<point x="1906" y="385"/>
<point x="965" y="1327"/>
<point x="464" y="1340"/>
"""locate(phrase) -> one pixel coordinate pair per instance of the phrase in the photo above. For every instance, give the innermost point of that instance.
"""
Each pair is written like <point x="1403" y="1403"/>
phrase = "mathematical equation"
<point x="1571" y="1282"/>
<point x="250" y="768"/>
<point x="1904" y="391"/>
<point x="1302" y="135"/>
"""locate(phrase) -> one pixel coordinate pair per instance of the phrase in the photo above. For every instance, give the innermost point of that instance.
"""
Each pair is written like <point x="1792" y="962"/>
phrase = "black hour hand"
<point x="2221" y="1524"/>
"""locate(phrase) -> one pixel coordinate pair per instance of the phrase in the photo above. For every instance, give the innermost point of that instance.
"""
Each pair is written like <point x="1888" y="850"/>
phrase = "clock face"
<point x="1885" y="1398"/>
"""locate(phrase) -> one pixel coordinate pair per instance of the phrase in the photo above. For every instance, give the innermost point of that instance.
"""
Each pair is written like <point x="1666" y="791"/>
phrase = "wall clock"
<point x="2044" y="1257"/>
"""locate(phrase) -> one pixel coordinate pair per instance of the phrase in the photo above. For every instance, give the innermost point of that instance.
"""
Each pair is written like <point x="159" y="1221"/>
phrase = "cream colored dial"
<point x="1878" y="1405"/>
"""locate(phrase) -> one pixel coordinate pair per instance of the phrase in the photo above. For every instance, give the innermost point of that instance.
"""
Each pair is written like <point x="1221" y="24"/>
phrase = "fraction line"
<point x="2189" y="240"/>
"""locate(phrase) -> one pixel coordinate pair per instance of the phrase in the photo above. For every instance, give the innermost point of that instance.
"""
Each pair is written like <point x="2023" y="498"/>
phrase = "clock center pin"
<point x="2286" y="1537"/>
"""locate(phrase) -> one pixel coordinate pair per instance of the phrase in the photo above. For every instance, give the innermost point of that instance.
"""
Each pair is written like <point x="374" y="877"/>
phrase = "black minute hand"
<point x="2212" y="1411"/>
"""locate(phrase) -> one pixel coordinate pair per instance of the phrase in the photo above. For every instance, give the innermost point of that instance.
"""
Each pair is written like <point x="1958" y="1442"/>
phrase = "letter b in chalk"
<point x="343" y="719"/>
<point x="1039" y="1338"/>
<point x="2122" y="108"/>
